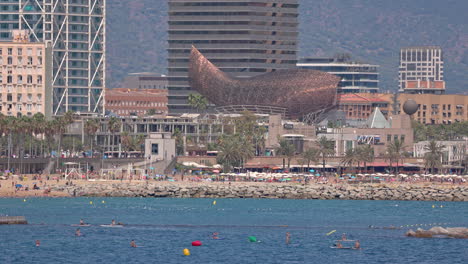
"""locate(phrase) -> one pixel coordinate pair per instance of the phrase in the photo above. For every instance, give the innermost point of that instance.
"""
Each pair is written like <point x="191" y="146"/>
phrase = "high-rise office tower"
<point x="243" y="38"/>
<point x="75" y="31"/>
<point x="421" y="70"/>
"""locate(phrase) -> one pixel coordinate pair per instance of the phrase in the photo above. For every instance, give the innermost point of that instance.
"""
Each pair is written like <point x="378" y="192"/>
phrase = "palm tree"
<point x="326" y="148"/>
<point x="234" y="151"/>
<point x="91" y="127"/>
<point x="286" y="149"/>
<point x="179" y="141"/>
<point x="113" y="127"/>
<point x="395" y="153"/>
<point x="433" y="156"/>
<point x="197" y="101"/>
<point x="310" y="155"/>
<point x="350" y="158"/>
<point x="366" y="154"/>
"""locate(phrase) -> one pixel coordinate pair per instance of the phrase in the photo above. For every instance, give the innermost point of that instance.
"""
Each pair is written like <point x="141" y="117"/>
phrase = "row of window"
<point x="19" y="97"/>
<point x="20" y="79"/>
<point x="135" y="103"/>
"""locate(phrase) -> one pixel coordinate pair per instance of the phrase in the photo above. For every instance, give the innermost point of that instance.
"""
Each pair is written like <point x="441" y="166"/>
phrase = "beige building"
<point x="438" y="109"/>
<point x="399" y="128"/>
<point x="24" y="77"/>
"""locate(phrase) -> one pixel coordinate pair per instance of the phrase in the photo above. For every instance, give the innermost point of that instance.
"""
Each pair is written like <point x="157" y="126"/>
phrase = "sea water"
<point x="164" y="227"/>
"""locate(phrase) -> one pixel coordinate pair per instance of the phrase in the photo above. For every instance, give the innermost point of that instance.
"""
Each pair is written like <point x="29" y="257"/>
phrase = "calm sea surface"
<point x="164" y="227"/>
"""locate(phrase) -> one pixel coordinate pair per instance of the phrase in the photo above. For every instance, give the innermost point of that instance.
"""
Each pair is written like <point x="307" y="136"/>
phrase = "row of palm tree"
<point x="325" y="148"/>
<point x="361" y="154"/>
<point x="40" y="133"/>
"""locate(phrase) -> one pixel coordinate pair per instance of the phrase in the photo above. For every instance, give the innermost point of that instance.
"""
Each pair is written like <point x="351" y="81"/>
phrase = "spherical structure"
<point x="410" y="107"/>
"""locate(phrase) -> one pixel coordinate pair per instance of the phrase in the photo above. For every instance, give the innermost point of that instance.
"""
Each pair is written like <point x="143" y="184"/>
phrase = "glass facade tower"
<point x="75" y="31"/>
<point x="243" y="38"/>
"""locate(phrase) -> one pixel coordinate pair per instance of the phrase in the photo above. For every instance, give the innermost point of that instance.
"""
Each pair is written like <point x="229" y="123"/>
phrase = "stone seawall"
<point x="270" y="190"/>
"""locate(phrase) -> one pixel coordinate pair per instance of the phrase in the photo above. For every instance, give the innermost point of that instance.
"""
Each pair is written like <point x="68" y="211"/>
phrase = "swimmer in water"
<point x="215" y="235"/>
<point x="343" y="237"/>
<point x="78" y="232"/>
<point x="133" y="244"/>
<point x="288" y="237"/>
<point x="338" y="245"/>
<point x="357" y="245"/>
<point x="38" y="243"/>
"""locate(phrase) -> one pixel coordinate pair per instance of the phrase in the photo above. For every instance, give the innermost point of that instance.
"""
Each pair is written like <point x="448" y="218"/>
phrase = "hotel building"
<point x="75" y="31"/>
<point x="243" y="38"/>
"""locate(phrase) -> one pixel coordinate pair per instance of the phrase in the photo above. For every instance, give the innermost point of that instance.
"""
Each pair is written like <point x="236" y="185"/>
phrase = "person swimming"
<point x="288" y="237"/>
<point x="215" y="235"/>
<point x="38" y="243"/>
<point x="338" y="245"/>
<point x="78" y="232"/>
<point x="343" y="237"/>
<point x="133" y="244"/>
<point x="357" y="245"/>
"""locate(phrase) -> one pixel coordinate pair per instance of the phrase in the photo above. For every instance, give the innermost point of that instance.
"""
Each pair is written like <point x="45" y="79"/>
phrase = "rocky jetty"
<point x="439" y="232"/>
<point x="269" y="190"/>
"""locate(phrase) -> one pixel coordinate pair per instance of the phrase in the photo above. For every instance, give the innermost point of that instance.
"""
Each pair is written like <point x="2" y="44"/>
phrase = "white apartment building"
<point x="421" y="64"/>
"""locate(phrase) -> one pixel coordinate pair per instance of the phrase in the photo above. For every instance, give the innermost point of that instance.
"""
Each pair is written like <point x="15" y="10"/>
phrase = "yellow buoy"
<point x="433" y="206"/>
<point x="186" y="252"/>
<point x="90" y="202"/>
<point x="103" y="201"/>
<point x="24" y="200"/>
<point x="441" y="206"/>
<point x="214" y="202"/>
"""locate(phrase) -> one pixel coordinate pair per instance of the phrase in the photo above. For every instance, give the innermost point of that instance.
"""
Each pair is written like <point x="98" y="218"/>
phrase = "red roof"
<point x="358" y="98"/>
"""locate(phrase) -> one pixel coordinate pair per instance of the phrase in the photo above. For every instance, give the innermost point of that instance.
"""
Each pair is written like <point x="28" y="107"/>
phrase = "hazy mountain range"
<point x="371" y="30"/>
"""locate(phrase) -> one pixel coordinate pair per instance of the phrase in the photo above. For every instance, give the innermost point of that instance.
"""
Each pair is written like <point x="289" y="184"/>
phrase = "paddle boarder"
<point x="82" y="222"/>
<point x="288" y="237"/>
<point x="113" y="222"/>
<point x="215" y="235"/>
<point x="78" y="232"/>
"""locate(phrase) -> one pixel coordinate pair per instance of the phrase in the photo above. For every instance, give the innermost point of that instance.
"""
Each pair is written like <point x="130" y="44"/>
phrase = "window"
<point x="30" y="60"/>
<point x="389" y="138"/>
<point x="10" y="51"/>
<point x="402" y="138"/>
<point x="10" y="60"/>
<point x="20" y="51"/>
<point x="29" y="52"/>
<point x="154" y="149"/>
<point x="9" y="79"/>
<point x="39" y="79"/>
<point x="395" y="138"/>
<point x="20" y="79"/>
<point x="30" y="79"/>
<point x="19" y="107"/>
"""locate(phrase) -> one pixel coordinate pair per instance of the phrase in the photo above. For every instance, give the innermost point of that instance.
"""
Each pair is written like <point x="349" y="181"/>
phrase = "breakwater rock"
<point x="268" y="190"/>
<point x="437" y="231"/>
